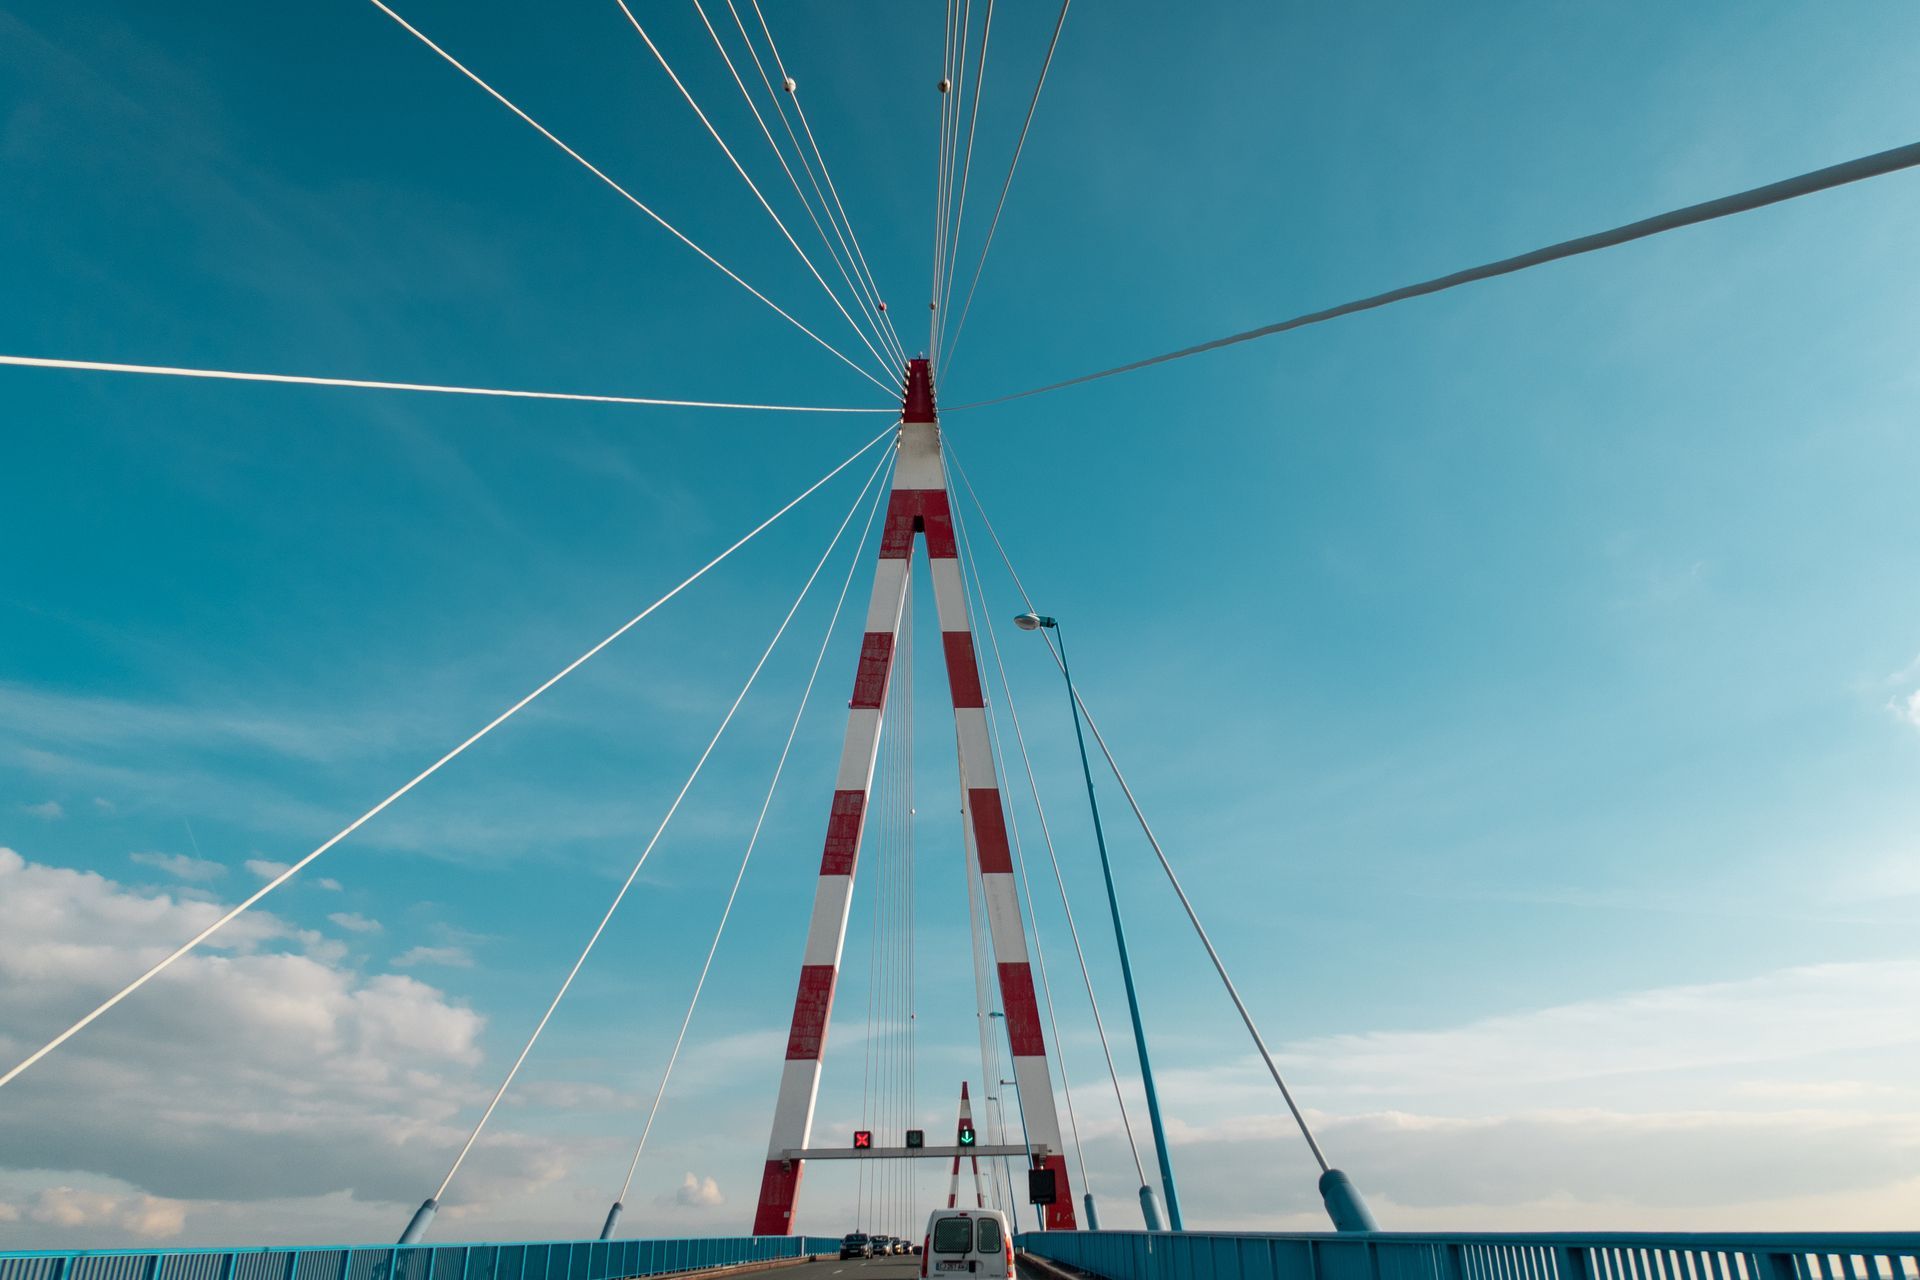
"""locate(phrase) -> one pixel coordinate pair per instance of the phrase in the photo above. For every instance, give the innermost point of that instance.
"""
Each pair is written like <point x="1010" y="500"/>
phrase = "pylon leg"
<point x="919" y="505"/>
<point x="833" y="894"/>
<point x="953" y="1187"/>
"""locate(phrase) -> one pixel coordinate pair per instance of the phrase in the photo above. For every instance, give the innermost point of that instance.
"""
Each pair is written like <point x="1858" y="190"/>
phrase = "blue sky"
<point x="1522" y="678"/>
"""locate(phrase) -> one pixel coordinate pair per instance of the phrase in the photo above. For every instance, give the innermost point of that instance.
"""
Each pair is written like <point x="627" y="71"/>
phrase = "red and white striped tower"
<point x="917" y="506"/>
<point x="953" y="1187"/>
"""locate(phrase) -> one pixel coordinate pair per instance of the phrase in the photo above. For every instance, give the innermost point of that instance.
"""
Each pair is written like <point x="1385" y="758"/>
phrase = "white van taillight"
<point x="926" y="1247"/>
<point x="1009" y="1240"/>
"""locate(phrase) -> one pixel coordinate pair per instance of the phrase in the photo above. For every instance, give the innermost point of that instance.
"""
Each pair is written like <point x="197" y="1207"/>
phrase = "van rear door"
<point x="950" y="1245"/>
<point x="971" y="1244"/>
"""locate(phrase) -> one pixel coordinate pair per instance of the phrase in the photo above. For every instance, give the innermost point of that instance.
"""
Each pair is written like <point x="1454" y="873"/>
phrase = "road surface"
<point x="903" y="1267"/>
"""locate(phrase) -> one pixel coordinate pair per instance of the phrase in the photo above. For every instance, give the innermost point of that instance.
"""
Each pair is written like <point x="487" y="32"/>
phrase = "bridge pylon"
<point x="918" y="507"/>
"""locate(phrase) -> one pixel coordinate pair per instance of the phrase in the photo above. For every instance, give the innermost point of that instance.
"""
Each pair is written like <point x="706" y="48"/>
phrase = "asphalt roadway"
<point x="900" y="1267"/>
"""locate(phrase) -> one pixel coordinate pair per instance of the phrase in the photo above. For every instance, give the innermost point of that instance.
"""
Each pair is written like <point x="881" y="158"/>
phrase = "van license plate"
<point x="953" y="1266"/>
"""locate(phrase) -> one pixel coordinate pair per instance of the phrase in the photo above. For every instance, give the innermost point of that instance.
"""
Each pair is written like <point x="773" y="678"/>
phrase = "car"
<point x="855" y="1244"/>
<point x="975" y="1242"/>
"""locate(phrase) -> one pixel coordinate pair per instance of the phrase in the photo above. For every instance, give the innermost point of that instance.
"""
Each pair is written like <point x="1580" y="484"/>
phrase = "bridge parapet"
<point x="1386" y="1255"/>
<point x="522" y="1260"/>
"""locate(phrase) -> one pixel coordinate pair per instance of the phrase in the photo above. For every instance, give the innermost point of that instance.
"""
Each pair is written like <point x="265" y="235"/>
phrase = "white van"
<point x="973" y="1242"/>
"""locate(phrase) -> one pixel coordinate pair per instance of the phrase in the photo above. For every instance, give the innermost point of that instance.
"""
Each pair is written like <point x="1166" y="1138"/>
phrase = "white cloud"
<point x="328" y="883"/>
<point x="1782" y="1100"/>
<point x="447" y="957"/>
<point x="265" y="869"/>
<point x="180" y="866"/>
<point x="1907" y="708"/>
<point x="698" y="1192"/>
<point x="355" y="922"/>
<point x="51" y="810"/>
<point x="103" y="804"/>
<point x="1549" y="1170"/>
<point x="1711" y="1030"/>
<point x="255" y="1069"/>
<point x="146" y="1217"/>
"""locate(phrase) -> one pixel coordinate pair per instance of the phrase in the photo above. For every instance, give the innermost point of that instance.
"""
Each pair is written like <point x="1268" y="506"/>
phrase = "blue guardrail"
<point x="1392" y="1255"/>
<point x="534" y="1260"/>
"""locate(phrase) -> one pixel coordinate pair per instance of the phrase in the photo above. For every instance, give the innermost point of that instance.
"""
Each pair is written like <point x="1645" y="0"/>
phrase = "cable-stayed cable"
<point x="1046" y="832"/>
<point x="813" y="180"/>
<point x="941" y="286"/>
<point x="1873" y="166"/>
<point x="661" y="58"/>
<point x="857" y="288"/>
<point x="1219" y="966"/>
<point x="305" y="380"/>
<point x="1006" y="186"/>
<point x="161" y="965"/>
<point x="646" y="852"/>
<point x="940" y="182"/>
<point x="632" y="199"/>
<point x="943" y="171"/>
<point x="759" y="822"/>
<point x="806" y="126"/>
<point x="869" y="1180"/>
<point x="966" y="173"/>
<point x="983" y="1009"/>
<point x="1026" y="887"/>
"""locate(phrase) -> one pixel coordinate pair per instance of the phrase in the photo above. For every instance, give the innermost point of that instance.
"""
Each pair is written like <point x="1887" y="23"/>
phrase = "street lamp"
<point x="1031" y="621"/>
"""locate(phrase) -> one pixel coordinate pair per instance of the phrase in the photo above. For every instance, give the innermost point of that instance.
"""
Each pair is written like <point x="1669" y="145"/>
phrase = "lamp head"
<point x="1033" y="621"/>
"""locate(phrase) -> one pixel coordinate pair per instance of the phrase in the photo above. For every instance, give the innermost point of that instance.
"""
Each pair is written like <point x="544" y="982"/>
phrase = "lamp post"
<point x="1039" y="622"/>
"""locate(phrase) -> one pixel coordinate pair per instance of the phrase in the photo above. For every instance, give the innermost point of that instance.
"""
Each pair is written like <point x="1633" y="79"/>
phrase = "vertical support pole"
<point x="1570" y="1263"/>
<point x="1147" y="1207"/>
